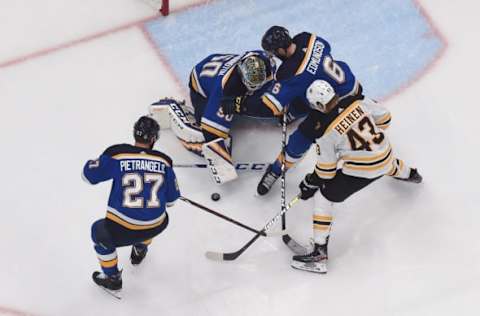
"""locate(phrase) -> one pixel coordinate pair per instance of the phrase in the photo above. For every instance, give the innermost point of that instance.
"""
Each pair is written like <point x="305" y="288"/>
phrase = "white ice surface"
<point x="396" y="249"/>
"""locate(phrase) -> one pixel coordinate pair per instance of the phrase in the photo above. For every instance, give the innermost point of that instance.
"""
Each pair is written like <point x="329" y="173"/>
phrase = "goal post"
<point x="161" y="6"/>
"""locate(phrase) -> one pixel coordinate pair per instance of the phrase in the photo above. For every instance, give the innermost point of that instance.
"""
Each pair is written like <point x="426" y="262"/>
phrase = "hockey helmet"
<point x="276" y="37"/>
<point x="253" y="72"/>
<point x="319" y="94"/>
<point x="146" y="130"/>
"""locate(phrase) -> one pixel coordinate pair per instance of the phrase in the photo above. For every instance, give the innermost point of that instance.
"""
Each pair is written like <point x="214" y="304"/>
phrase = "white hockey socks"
<point x="322" y="218"/>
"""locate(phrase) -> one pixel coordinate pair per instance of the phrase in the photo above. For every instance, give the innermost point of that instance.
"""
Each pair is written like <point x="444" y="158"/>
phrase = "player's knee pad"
<point x="101" y="236"/>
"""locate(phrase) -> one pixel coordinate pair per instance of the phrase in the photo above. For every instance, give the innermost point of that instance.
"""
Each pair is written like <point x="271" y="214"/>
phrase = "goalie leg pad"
<point x="183" y="125"/>
<point x="219" y="160"/>
<point x="159" y="111"/>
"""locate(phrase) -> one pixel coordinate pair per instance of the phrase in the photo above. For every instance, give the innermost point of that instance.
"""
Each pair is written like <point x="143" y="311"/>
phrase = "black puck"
<point x="215" y="196"/>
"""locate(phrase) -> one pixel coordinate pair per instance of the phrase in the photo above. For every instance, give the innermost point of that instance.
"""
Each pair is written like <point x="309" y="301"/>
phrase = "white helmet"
<point x="319" y="93"/>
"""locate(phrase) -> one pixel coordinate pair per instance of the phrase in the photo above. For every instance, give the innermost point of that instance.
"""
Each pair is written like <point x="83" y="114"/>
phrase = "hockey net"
<point x="161" y="6"/>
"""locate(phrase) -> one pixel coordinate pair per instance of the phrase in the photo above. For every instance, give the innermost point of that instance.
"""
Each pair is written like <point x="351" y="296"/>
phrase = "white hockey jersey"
<point x="354" y="141"/>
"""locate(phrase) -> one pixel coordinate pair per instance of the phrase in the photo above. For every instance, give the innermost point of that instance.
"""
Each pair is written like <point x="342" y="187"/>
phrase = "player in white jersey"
<point x="353" y="151"/>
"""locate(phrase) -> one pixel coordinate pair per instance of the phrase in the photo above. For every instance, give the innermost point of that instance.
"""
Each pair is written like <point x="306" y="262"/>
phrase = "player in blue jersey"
<point x="305" y="58"/>
<point x="143" y="185"/>
<point x="214" y="84"/>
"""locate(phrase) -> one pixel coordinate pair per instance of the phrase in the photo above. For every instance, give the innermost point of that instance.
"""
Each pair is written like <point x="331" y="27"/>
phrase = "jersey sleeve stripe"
<point x="308" y="54"/>
<point x="384" y="122"/>
<point x="397" y="167"/>
<point x="370" y="166"/>
<point x="368" y="160"/>
<point x="196" y="83"/>
<point x="227" y="76"/>
<point x="214" y="128"/>
<point x="272" y="103"/>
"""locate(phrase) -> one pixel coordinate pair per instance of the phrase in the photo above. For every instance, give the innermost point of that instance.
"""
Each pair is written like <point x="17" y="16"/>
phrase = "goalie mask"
<point x="253" y="72"/>
<point x="319" y="94"/>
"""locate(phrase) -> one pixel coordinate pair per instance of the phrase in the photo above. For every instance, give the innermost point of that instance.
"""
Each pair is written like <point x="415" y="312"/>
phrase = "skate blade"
<point x="317" y="267"/>
<point x="116" y="294"/>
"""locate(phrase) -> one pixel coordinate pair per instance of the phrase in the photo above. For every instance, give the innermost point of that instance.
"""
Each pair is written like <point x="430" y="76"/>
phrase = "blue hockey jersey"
<point x="311" y="61"/>
<point x="144" y="183"/>
<point x="217" y="76"/>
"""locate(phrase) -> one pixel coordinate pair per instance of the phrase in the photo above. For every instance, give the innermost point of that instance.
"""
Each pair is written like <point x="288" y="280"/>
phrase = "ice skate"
<point x="413" y="177"/>
<point x="111" y="284"/>
<point x="267" y="181"/>
<point x="316" y="261"/>
<point x="138" y="254"/>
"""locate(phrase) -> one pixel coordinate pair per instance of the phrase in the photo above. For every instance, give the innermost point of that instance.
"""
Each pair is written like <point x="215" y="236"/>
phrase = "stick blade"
<point x="222" y="256"/>
<point x="294" y="246"/>
<point x="215" y="256"/>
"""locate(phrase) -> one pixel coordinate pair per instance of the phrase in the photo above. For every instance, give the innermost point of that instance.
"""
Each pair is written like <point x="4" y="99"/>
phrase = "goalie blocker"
<point x="175" y="114"/>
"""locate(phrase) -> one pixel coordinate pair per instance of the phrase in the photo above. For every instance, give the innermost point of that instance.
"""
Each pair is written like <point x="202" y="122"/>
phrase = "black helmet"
<point x="146" y="130"/>
<point x="276" y="37"/>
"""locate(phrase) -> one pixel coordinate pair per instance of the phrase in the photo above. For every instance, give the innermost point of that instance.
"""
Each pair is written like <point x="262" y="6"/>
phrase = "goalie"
<point x="217" y="85"/>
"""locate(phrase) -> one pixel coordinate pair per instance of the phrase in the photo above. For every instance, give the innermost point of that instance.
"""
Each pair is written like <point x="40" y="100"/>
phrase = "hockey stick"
<point x="239" y="166"/>
<point x="231" y="220"/>
<point x="284" y="144"/>
<point x="230" y="256"/>
<point x="289" y="241"/>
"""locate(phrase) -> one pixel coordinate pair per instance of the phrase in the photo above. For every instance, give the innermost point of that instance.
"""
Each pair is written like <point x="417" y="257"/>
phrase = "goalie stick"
<point x="231" y="220"/>
<point x="230" y="256"/>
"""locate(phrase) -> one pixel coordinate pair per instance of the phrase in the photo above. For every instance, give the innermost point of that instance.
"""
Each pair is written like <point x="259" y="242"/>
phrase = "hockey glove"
<point x="231" y="105"/>
<point x="308" y="187"/>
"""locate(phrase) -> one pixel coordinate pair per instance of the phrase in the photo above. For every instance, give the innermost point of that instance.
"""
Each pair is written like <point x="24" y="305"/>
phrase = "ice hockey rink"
<point x="74" y="77"/>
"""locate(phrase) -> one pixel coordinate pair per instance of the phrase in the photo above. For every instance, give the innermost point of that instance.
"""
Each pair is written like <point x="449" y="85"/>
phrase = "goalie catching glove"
<point x="309" y="186"/>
